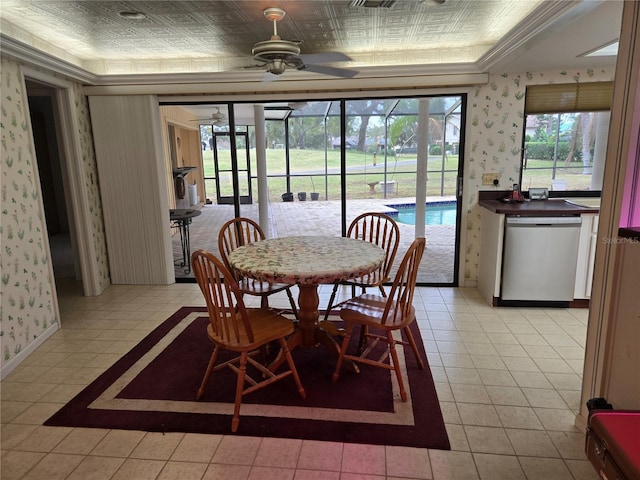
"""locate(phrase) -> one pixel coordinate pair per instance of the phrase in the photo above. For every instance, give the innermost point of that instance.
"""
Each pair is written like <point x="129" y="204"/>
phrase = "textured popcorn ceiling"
<point x="198" y="36"/>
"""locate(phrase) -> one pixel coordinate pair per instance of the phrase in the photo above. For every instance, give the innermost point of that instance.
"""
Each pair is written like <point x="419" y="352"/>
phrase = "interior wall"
<point x="29" y="306"/>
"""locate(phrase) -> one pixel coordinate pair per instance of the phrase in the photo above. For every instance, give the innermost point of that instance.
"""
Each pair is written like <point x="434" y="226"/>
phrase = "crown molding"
<point x="539" y="20"/>
<point x="436" y="88"/>
<point x="37" y="58"/>
<point x="308" y="87"/>
<point x="364" y="73"/>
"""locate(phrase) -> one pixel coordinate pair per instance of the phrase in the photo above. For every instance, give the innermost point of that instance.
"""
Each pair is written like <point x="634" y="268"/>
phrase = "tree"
<point x="588" y="129"/>
<point x="206" y="134"/>
<point x="306" y="130"/>
<point x="573" y="141"/>
<point x="403" y="130"/>
<point x="364" y="110"/>
<point x="582" y="137"/>
<point x="275" y="133"/>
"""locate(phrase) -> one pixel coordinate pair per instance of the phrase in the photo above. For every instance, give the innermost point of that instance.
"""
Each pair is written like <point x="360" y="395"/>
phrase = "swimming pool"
<point x="436" y="213"/>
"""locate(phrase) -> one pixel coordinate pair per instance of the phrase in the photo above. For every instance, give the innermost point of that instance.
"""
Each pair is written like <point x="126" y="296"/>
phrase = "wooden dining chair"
<point x="238" y="329"/>
<point x="381" y="230"/>
<point x="385" y="318"/>
<point x="243" y="231"/>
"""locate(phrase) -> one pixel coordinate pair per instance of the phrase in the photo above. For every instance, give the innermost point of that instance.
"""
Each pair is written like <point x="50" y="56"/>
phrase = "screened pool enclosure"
<point x="328" y="160"/>
<point x="304" y="148"/>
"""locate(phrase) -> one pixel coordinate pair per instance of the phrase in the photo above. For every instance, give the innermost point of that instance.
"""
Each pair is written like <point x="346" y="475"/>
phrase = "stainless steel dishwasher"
<point x="539" y="260"/>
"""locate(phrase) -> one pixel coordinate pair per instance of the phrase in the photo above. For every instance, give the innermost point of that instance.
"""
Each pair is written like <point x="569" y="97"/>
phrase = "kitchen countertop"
<point x="632" y="233"/>
<point x="550" y="208"/>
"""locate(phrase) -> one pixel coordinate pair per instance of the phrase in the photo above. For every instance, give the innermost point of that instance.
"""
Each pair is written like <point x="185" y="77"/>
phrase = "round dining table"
<point x="307" y="261"/>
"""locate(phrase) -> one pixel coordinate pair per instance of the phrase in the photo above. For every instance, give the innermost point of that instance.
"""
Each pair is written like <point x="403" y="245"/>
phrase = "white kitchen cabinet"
<point x="586" y="255"/>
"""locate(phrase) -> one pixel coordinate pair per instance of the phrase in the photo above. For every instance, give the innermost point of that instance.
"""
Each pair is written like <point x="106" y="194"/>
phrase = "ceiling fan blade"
<point x="332" y="71"/>
<point x="209" y="121"/>
<point x="327" y="57"/>
<point x="297" y="105"/>
<point x="270" y="77"/>
<point x="255" y="66"/>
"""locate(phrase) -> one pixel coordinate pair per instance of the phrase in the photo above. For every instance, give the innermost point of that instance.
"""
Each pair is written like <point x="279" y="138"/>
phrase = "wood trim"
<point x="579" y="303"/>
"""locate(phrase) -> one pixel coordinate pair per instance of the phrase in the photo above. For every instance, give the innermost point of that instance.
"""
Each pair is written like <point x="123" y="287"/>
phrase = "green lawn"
<point x="539" y="173"/>
<point x="308" y="167"/>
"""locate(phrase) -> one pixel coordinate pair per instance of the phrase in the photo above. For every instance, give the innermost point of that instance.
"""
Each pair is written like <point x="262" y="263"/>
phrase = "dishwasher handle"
<point x="574" y="221"/>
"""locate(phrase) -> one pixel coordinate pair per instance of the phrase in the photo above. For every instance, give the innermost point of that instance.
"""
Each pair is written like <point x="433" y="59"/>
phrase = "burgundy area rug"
<point x="153" y="388"/>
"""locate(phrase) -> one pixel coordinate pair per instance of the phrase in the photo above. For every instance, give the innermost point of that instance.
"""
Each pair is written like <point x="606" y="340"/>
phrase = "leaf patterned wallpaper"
<point x="91" y="188"/>
<point x="495" y="120"/>
<point x="27" y="287"/>
<point x="494" y="138"/>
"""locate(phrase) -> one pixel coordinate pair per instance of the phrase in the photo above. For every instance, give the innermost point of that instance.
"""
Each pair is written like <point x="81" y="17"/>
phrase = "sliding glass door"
<point x="384" y="161"/>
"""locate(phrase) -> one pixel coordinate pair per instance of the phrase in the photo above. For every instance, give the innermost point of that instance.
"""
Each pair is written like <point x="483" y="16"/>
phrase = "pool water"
<point x="435" y="214"/>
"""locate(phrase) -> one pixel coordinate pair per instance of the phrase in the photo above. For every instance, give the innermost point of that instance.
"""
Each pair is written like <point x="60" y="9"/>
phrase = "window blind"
<point x="568" y="97"/>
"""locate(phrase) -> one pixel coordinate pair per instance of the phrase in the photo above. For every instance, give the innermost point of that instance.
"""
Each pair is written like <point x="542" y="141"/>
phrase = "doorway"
<point x="44" y="122"/>
<point x="224" y="168"/>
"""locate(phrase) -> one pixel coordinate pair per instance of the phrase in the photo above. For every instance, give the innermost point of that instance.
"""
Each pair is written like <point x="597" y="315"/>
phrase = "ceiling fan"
<point x="216" y="118"/>
<point x="277" y="54"/>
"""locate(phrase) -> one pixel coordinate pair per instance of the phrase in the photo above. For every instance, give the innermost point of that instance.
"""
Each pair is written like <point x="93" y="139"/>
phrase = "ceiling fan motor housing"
<point x="278" y="54"/>
<point x="275" y="50"/>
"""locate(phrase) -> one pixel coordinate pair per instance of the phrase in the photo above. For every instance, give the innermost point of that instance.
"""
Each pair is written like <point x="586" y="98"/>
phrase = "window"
<point x="565" y="140"/>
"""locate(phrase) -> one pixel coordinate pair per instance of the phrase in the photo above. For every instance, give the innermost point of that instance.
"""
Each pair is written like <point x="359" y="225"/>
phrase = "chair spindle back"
<point x="227" y="312"/>
<point x="383" y="231"/>
<point x="236" y="233"/>
<point x="401" y="295"/>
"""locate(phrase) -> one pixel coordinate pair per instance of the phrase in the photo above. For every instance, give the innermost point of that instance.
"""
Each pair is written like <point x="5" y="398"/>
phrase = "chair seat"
<point x="367" y="310"/>
<point x="266" y="324"/>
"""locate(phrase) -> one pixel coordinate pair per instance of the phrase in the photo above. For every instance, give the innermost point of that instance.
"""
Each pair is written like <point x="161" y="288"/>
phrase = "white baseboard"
<point x="8" y="367"/>
<point x="581" y="423"/>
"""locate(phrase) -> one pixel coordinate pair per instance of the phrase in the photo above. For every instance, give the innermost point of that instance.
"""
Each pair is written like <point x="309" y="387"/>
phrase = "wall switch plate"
<point x="490" y="178"/>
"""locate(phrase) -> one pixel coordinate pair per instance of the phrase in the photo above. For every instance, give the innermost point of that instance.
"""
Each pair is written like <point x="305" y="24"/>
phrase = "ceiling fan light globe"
<point x="277" y="67"/>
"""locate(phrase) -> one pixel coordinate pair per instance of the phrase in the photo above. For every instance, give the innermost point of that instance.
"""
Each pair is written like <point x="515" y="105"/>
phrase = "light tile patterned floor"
<point x="323" y="218"/>
<point x="508" y="381"/>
